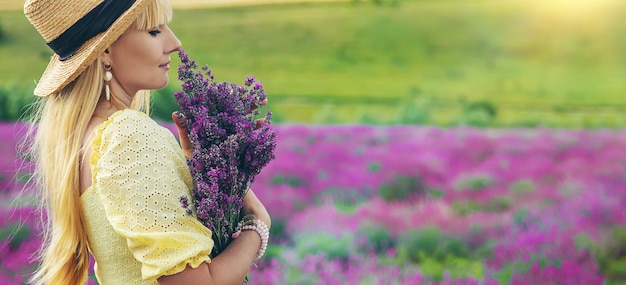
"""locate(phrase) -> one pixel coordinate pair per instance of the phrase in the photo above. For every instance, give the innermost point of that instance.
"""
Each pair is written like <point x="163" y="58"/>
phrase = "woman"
<point x="111" y="178"/>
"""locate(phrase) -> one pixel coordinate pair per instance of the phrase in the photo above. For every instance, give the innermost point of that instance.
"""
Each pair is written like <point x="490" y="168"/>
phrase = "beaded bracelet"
<point x="250" y="222"/>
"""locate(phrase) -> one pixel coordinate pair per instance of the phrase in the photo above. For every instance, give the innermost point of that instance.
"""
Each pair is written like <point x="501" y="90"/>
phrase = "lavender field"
<point x="363" y="204"/>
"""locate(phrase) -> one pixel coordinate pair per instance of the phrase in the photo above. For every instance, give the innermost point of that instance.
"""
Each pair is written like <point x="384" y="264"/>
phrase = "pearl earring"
<point x="107" y="77"/>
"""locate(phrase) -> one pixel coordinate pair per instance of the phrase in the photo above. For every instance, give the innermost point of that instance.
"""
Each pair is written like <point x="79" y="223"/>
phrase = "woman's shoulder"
<point x="128" y="120"/>
<point x="131" y="116"/>
<point x="126" y="124"/>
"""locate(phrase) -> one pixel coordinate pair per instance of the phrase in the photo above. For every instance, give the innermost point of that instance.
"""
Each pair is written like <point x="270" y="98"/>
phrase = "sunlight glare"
<point x="574" y="8"/>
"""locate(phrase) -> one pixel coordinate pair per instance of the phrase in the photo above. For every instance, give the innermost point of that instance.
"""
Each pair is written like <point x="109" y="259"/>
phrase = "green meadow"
<point x="481" y="62"/>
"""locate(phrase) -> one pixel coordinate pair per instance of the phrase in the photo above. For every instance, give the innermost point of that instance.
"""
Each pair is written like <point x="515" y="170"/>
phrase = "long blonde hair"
<point x="59" y="124"/>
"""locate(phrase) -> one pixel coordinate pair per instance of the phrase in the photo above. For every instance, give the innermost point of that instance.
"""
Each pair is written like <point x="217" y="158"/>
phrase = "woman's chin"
<point x="161" y="84"/>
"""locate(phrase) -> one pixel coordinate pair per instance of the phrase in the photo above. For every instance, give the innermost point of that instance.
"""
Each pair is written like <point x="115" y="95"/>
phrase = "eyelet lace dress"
<point x="137" y="229"/>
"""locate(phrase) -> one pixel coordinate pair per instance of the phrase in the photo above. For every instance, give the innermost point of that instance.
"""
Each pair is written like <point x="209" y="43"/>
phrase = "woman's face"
<point x="140" y="60"/>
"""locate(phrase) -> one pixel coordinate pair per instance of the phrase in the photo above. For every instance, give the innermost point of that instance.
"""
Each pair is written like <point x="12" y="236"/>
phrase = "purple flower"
<point x="227" y="150"/>
<point x="185" y="201"/>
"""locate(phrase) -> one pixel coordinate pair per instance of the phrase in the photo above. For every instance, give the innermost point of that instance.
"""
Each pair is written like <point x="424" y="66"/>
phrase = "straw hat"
<point x="62" y="23"/>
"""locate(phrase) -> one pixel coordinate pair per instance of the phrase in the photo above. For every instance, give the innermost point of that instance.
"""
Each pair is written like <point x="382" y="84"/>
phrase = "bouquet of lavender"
<point x="228" y="152"/>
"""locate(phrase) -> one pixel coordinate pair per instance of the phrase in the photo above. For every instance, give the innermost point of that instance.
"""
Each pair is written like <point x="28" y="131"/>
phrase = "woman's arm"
<point x="232" y="265"/>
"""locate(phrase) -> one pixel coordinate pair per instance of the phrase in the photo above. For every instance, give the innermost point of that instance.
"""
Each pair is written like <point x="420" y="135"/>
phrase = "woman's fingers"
<point x="263" y="103"/>
<point x="184" y="139"/>
<point x="258" y="123"/>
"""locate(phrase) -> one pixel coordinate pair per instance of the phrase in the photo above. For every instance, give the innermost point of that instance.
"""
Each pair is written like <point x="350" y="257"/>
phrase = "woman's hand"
<point x="258" y="123"/>
<point x="184" y="138"/>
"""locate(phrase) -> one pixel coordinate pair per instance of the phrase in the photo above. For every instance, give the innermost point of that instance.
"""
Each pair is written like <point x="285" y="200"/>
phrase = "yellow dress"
<point x="137" y="228"/>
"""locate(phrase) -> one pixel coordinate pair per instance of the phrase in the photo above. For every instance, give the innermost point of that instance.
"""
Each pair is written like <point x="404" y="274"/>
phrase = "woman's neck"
<point x="106" y="108"/>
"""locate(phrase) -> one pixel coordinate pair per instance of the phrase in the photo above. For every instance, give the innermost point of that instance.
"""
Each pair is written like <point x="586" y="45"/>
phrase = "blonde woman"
<point x="111" y="178"/>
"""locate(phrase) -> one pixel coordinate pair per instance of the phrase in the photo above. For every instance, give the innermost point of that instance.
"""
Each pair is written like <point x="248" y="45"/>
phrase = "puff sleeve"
<point x="140" y="175"/>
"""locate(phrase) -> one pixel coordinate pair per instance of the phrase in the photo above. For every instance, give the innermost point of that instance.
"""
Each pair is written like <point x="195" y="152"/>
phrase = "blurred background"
<point x="557" y="63"/>
<point x="420" y="141"/>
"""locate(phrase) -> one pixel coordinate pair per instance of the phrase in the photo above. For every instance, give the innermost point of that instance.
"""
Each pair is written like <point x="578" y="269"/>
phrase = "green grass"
<point x="343" y="62"/>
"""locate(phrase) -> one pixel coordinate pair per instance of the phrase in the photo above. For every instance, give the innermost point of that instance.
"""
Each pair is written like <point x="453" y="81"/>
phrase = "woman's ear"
<point x="104" y="57"/>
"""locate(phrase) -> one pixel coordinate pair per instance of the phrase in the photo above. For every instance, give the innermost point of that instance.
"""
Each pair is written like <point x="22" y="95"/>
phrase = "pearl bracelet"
<point x="250" y="222"/>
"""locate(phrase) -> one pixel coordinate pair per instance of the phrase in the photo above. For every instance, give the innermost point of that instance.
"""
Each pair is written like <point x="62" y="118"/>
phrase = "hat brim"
<point x="59" y="74"/>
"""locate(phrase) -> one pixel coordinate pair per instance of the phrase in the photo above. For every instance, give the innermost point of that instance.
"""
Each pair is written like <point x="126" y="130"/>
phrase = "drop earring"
<point x="107" y="77"/>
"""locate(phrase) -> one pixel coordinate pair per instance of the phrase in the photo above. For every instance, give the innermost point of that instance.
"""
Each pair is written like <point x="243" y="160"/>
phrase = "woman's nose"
<point x="174" y="42"/>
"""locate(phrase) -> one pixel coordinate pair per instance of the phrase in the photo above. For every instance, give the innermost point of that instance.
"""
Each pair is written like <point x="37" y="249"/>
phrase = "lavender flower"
<point x="227" y="150"/>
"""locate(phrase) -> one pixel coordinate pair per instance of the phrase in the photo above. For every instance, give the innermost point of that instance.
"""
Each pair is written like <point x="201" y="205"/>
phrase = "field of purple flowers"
<point x="414" y="205"/>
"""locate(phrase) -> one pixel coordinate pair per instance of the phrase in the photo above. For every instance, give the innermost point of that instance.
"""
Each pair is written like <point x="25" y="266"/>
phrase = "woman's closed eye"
<point x="154" y="32"/>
